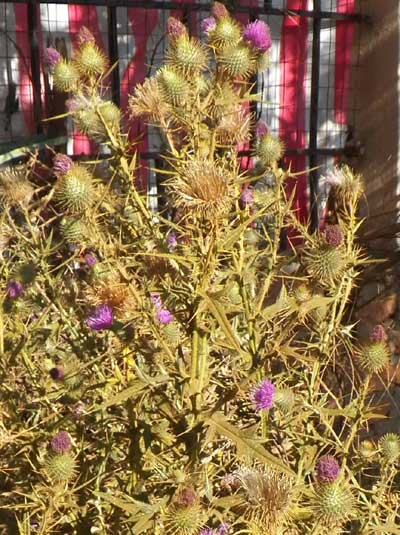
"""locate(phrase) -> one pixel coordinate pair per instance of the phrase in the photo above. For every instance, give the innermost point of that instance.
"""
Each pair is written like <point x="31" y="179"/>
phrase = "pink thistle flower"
<point x="247" y="196"/>
<point x="263" y="395"/>
<point x="261" y="129"/>
<point x="208" y="25"/>
<point x="327" y="469"/>
<point x="102" y="318"/>
<point x="61" y="443"/>
<point x="164" y="316"/>
<point x="57" y="373"/>
<point x="52" y="57"/>
<point x="219" y="11"/>
<point x="62" y="164"/>
<point x="378" y="334"/>
<point x="172" y="240"/>
<point x="85" y="36"/>
<point x="14" y="289"/>
<point x="90" y="259"/>
<point x="156" y="298"/>
<point x="258" y="35"/>
<point x="175" y="28"/>
<point x="333" y="235"/>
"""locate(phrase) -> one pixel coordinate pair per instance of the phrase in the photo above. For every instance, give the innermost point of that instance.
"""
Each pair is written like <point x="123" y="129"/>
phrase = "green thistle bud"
<point x="270" y="150"/>
<point x="60" y="467"/>
<point x="263" y="61"/>
<point x="172" y="333"/>
<point x="66" y="76"/>
<point x="333" y="503"/>
<point x="374" y="356"/>
<point x="234" y="294"/>
<point x="325" y="263"/>
<point x="390" y="447"/>
<point x="90" y="60"/>
<point x="302" y="293"/>
<point x="238" y="61"/>
<point x="284" y="400"/>
<point x="74" y="190"/>
<point x="75" y="231"/>
<point x="226" y="34"/>
<point x="187" y="55"/>
<point x="367" y="450"/>
<point x="111" y="114"/>
<point x="185" y="520"/>
<point x="173" y="86"/>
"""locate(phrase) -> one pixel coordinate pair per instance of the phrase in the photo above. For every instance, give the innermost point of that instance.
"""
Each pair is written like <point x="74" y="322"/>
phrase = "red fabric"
<point x="293" y="59"/>
<point x="343" y="51"/>
<point x="80" y="15"/>
<point x="24" y="64"/>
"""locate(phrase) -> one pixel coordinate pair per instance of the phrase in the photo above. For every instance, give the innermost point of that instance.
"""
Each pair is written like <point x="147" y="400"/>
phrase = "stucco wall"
<point x="376" y="86"/>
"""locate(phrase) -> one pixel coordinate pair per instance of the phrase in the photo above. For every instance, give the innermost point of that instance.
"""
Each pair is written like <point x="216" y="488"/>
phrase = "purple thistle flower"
<point x="207" y="531"/>
<point x="172" y="240"/>
<point x="62" y="164"/>
<point x="261" y="128"/>
<point x="57" y="373"/>
<point x="101" y="319"/>
<point x="79" y="409"/>
<point x="14" y="289"/>
<point x="263" y="395"/>
<point x="61" y="443"/>
<point x="208" y="25"/>
<point x="327" y="469"/>
<point x="247" y="196"/>
<point x="258" y="35"/>
<point x="52" y="57"/>
<point x="333" y="235"/>
<point x="85" y="36"/>
<point x="223" y="529"/>
<point x="378" y="334"/>
<point x="164" y="316"/>
<point x="91" y="259"/>
<point x="175" y="28"/>
<point x="156" y="298"/>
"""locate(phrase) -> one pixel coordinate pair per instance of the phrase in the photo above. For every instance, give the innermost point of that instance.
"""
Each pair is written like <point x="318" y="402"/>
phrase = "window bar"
<point x="35" y="65"/>
<point x="313" y="139"/>
<point x="113" y="53"/>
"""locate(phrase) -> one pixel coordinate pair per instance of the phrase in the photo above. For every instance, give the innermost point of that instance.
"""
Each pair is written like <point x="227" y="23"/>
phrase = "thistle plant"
<point x="179" y="372"/>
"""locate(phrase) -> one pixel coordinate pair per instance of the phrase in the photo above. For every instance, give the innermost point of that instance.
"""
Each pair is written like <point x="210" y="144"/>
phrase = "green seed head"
<point x="326" y="264"/>
<point x="74" y="190"/>
<point x="238" y="61"/>
<point x="269" y="150"/>
<point x="226" y="34"/>
<point x="187" y="55"/>
<point x="60" y="467"/>
<point x="66" y="76"/>
<point x="333" y="503"/>
<point x="173" y="86"/>
<point x="90" y="60"/>
<point x="375" y="356"/>
<point x="390" y="447"/>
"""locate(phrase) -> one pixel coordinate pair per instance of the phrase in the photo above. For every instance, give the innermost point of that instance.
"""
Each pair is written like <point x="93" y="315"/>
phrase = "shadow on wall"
<point x="377" y="96"/>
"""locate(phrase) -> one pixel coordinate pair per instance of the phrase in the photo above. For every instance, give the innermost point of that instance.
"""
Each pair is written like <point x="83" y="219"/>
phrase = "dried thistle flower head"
<point x="348" y="185"/>
<point x="268" y="496"/>
<point x="333" y="235"/>
<point x="15" y="188"/>
<point x="147" y="100"/>
<point x="234" y="126"/>
<point x="203" y="186"/>
<point x="110" y="289"/>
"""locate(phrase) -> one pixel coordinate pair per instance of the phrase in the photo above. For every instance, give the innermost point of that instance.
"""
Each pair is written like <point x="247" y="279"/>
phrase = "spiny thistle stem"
<point x="356" y="426"/>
